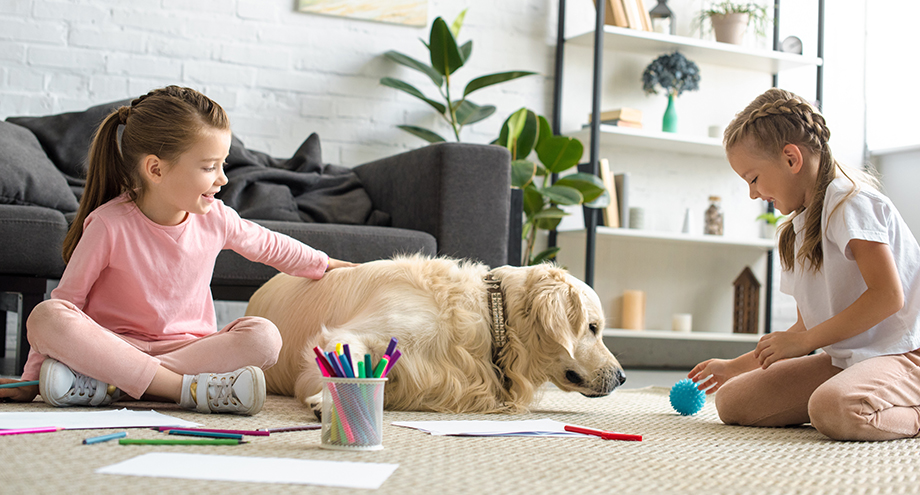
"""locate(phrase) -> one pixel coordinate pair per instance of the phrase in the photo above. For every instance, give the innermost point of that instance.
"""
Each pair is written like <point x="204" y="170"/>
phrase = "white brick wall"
<point x="280" y="74"/>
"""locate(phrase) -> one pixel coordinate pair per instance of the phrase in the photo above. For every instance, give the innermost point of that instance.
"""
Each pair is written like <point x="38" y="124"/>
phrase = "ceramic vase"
<point x="669" y="121"/>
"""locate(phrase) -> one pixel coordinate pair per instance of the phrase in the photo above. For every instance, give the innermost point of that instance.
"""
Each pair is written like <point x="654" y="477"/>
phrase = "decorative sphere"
<point x="686" y="398"/>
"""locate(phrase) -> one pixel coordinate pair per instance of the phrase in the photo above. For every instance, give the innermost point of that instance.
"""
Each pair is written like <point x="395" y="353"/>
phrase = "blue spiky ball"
<point x="686" y="398"/>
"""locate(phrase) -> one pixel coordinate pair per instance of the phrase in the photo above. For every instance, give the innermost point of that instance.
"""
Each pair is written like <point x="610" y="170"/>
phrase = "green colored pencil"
<point x="178" y="441"/>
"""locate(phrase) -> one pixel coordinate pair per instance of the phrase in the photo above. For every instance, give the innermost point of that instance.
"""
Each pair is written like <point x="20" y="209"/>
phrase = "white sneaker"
<point x="61" y="386"/>
<point x="238" y="392"/>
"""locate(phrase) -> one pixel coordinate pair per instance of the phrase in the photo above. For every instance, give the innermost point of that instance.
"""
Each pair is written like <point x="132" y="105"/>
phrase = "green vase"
<point x="669" y="122"/>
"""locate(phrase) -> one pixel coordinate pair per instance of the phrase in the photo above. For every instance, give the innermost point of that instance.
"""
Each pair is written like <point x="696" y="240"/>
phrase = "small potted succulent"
<point x="674" y="74"/>
<point x="730" y="20"/>
<point x="770" y="221"/>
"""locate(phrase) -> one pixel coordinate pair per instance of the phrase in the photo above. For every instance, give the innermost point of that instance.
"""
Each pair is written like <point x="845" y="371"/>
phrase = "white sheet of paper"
<point x="84" y="420"/>
<point x="535" y="427"/>
<point x="254" y="469"/>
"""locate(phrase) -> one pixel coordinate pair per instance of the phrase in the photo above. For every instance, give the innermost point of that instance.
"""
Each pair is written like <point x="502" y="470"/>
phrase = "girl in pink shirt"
<point x="133" y="312"/>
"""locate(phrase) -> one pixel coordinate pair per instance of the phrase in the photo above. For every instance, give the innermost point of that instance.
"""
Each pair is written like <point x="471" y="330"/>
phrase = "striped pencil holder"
<point x="353" y="413"/>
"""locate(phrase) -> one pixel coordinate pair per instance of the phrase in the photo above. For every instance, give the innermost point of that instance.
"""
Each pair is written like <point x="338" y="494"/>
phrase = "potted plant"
<point x="674" y="74"/>
<point x="771" y="220"/>
<point x="525" y="132"/>
<point x="730" y="20"/>
<point x="446" y="57"/>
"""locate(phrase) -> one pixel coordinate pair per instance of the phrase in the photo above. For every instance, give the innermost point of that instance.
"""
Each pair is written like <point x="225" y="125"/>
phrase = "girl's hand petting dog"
<point x="334" y="263"/>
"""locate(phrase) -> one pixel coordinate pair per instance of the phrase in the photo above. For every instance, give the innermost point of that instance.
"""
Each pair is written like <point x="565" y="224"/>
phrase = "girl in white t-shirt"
<point x="853" y="267"/>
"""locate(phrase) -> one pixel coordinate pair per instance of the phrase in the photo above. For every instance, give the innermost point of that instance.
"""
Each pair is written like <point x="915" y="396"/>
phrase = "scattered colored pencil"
<point x="19" y="384"/>
<point x="23" y="431"/>
<point x="284" y="429"/>
<point x="180" y="441"/>
<point x="259" y="433"/>
<point x="104" y="438"/>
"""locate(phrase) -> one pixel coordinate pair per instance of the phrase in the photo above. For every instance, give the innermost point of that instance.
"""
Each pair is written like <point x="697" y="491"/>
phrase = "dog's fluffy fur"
<point x="438" y="309"/>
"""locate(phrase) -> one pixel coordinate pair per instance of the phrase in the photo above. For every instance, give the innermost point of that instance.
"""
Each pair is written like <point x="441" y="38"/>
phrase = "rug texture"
<point x="678" y="454"/>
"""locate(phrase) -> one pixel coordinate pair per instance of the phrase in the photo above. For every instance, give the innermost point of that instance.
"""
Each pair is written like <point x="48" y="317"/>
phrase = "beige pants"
<point x="876" y="399"/>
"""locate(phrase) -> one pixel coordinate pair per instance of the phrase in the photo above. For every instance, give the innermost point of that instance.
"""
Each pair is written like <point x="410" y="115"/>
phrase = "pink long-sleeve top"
<point x="152" y="282"/>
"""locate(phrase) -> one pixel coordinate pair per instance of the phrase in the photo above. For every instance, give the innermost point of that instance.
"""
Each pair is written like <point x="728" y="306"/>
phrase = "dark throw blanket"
<point x="298" y="189"/>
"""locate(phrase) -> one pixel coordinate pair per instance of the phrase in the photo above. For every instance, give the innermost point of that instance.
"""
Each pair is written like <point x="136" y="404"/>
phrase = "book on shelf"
<point x="621" y="183"/>
<point x="611" y="214"/>
<point x="634" y="9"/>
<point x="627" y="114"/>
<point x="623" y="123"/>
<point x="614" y="13"/>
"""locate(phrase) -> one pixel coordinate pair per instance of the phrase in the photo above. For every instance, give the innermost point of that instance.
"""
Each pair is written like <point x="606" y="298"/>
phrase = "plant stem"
<point x="450" y="108"/>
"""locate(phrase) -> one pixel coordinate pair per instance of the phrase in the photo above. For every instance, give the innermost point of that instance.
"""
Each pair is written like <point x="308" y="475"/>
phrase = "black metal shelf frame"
<point x="591" y="213"/>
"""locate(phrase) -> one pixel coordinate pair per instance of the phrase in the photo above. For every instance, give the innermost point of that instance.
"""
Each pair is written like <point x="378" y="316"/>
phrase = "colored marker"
<point x="346" y="365"/>
<point x="361" y="370"/>
<point x="322" y="360"/>
<point x="19" y="384"/>
<point x="258" y="433"/>
<point x="23" y="431"/>
<point x="393" y="360"/>
<point x="381" y="365"/>
<point x="292" y="428"/>
<point x="391" y="347"/>
<point x="351" y="363"/>
<point x="322" y="369"/>
<point x="208" y="434"/>
<point x="104" y="438"/>
<point x="368" y="366"/>
<point x="606" y="435"/>
<point x="336" y="368"/>
<point x="177" y="441"/>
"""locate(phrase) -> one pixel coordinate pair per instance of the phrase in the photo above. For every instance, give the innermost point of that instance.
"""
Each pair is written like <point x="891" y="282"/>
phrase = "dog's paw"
<point x="317" y="408"/>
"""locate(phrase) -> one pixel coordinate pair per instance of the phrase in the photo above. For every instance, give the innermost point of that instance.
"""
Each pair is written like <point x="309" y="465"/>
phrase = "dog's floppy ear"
<point x="557" y="308"/>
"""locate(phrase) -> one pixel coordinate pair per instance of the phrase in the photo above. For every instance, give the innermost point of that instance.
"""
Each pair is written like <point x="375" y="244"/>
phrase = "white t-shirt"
<point x="867" y="215"/>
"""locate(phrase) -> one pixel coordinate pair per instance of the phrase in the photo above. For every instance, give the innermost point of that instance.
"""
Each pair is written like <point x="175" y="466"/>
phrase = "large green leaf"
<point x="469" y="112"/>
<point x="412" y="90"/>
<point x="590" y="186"/>
<point x="458" y="23"/>
<point x="563" y="195"/>
<point x="490" y="79"/>
<point x="533" y="201"/>
<point x="549" y="218"/>
<point x="445" y="56"/>
<point x="519" y="133"/>
<point x="601" y="201"/>
<point x="545" y="255"/>
<point x="423" y="133"/>
<point x="417" y="65"/>
<point x="466" y="50"/>
<point x="522" y="173"/>
<point x="559" y="153"/>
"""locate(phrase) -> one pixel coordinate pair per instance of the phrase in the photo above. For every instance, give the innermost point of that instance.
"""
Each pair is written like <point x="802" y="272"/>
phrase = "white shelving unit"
<point x="680" y="273"/>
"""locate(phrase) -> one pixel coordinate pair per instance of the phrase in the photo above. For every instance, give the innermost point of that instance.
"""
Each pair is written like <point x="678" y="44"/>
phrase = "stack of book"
<point x="627" y="13"/>
<point x="621" y="117"/>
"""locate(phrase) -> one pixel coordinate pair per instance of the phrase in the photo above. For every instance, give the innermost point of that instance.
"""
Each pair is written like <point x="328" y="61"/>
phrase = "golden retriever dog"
<point x="439" y="310"/>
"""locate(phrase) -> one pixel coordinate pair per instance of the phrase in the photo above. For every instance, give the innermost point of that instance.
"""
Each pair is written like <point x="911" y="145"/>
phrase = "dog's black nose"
<point x="620" y="377"/>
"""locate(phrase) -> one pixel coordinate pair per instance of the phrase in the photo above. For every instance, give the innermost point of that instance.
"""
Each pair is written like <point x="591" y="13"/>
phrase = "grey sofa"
<point x="447" y="199"/>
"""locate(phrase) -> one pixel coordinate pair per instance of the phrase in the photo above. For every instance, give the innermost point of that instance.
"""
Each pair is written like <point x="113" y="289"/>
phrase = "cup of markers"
<point x="352" y="417"/>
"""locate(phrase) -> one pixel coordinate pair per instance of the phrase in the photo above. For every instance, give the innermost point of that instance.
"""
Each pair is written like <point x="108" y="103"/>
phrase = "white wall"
<point x="280" y="74"/>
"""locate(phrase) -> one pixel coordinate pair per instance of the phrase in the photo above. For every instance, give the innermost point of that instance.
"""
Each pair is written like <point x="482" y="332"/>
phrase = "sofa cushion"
<point x="358" y="243"/>
<point x="29" y="177"/>
<point x="31" y="241"/>
<point x="66" y="137"/>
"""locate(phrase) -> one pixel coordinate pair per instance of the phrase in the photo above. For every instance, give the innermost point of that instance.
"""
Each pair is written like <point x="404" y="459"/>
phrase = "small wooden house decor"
<point x="747" y="302"/>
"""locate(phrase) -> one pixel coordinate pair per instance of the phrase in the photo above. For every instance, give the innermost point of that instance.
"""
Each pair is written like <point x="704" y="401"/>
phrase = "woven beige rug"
<point x="680" y="455"/>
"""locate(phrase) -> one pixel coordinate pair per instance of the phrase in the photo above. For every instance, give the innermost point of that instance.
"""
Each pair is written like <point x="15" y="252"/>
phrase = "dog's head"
<point x="560" y="320"/>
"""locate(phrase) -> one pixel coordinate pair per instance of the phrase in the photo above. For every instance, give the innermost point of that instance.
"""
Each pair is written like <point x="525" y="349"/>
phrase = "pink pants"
<point x="60" y="330"/>
<point x="876" y="399"/>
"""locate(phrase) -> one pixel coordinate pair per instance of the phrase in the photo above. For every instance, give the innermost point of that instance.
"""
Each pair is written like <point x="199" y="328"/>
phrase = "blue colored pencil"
<point x="104" y="438"/>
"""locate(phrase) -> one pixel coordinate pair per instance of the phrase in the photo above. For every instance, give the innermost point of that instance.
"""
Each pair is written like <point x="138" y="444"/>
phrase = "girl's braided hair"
<point x="770" y="122"/>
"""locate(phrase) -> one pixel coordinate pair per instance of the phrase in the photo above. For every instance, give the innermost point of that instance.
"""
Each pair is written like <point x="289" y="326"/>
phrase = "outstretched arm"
<point x="883" y="297"/>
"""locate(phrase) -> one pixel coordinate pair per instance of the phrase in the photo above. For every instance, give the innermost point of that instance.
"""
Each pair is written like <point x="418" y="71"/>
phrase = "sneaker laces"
<point x="220" y="390"/>
<point x="89" y="387"/>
